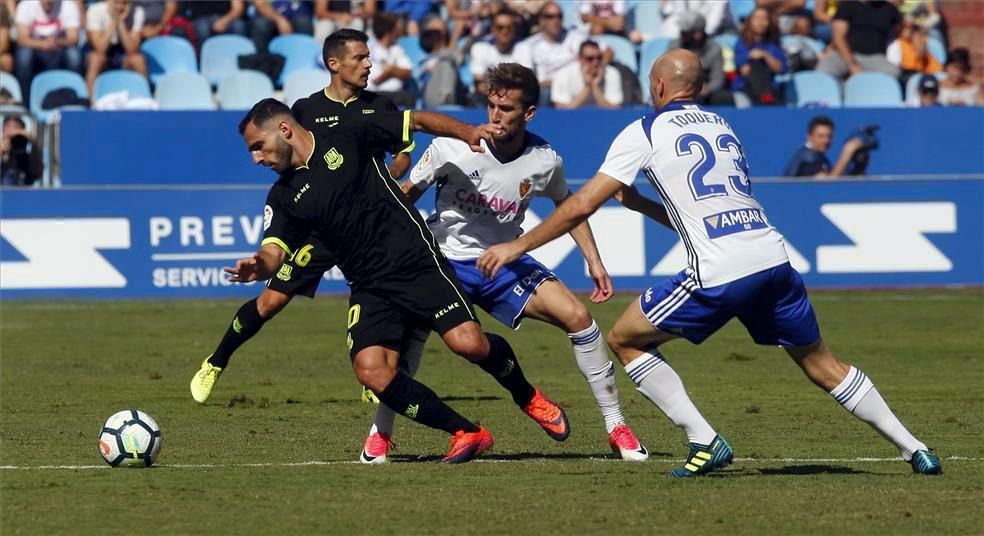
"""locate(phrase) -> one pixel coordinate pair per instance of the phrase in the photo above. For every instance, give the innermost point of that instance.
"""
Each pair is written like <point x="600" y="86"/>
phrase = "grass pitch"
<point x="270" y="453"/>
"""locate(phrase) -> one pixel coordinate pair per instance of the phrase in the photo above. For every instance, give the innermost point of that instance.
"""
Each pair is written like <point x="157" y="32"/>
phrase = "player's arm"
<point x="263" y="265"/>
<point x="401" y="163"/>
<point x="442" y="125"/>
<point x="424" y="173"/>
<point x="631" y="199"/>
<point x="585" y="240"/>
<point x="568" y="215"/>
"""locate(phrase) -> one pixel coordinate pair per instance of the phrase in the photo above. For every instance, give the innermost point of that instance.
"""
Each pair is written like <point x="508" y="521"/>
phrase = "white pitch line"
<point x="481" y="460"/>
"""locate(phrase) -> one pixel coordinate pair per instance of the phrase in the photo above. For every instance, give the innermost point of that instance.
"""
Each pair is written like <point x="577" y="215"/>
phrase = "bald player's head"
<point x="676" y="75"/>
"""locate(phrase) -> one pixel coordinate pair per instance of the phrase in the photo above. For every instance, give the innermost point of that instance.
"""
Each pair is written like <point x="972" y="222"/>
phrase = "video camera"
<point x="869" y="142"/>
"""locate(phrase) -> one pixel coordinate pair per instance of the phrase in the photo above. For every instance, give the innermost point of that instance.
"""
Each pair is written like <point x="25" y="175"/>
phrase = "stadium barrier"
<point x="129" y="242"/>
<point x="205" y="147"/>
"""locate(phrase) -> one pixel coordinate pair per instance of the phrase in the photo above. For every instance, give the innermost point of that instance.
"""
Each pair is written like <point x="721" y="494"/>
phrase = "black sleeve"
<point x="386" y="131"/>
<point x="384" y="104"/>
<point x="794" y="165"/>
<point x="279" y="227"/>
<point x="300" y="112"/>
<point x="845" y="11"/>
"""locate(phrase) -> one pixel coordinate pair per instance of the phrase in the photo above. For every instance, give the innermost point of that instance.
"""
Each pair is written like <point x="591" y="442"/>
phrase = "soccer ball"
<point x="131" y="438"/>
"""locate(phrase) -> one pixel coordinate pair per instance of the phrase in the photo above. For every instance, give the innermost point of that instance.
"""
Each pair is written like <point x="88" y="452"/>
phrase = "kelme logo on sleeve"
<point x="334" y="159"/>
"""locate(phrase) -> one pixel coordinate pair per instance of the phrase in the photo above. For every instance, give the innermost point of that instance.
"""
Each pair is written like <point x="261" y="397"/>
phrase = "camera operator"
<point x="21" y="157"/>
<point x="810" y="160"/>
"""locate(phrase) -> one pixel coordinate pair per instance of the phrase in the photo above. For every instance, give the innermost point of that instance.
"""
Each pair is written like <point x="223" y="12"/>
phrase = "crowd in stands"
<point x="596" y="53"/>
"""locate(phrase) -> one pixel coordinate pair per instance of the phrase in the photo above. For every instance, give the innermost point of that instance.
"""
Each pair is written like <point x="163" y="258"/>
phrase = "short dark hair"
<point x="262" y="112"/>
<point x="14" y="118"/>
<point x="429" y="39"/>
<point x="383" y="23"/>
<point x="820" y="121"/>
<point x="506" y="76"/>
<point x="586" y="44"/>
<point x="336" y="42"/>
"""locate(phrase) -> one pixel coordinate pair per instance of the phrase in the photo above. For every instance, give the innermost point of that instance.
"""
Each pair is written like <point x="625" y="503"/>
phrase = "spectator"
<point x="471" y="18"/>
<point x="957" y="89"/>
<point x="280" y="17"/>
<point x="694" y="38"/>
<point x="47" y="38"/>
<point x="810" y="160"/>
<point x="759" y="58"/>
<point x="114" y="27"/>
<point x="391" y="66"/>
<point x="20" y="157"/>
<point x="501" y="50"/>
<point x="331" y="15"/>
<point x="211" y="17"/>
<point x="588" y="82"/>
<point x="6" y="58"/>
<point x="158" y="15"/>
<point x="528" y="12"/>
<point x="604" y="16"/>
<point x="928" y="92"/>
<point x="412" y="11"/>
<point x="909" y="52"/>
<point x="715" y="13"/>
<point x="792" y="16"/>
<point x="862" y="31"/>
<point x="924" y="13"/>
<point x="551" y="49"/>
<point x="439" y="82"/>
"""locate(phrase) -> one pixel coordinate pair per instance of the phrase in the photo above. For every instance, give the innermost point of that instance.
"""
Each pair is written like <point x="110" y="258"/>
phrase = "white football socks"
<point x="592" y="358"/>
<point x="858" y="395"/>
<point x="658" y="382"/>
<point x="413" y="352"/>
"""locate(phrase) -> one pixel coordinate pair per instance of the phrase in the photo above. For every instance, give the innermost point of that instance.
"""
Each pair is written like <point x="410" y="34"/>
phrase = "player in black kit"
<point x="332" y="186"/>
<point x="343" y="101"/>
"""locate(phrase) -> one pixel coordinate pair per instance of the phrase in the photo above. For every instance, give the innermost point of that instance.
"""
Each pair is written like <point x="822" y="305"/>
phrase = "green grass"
<point x="66" y="366"/>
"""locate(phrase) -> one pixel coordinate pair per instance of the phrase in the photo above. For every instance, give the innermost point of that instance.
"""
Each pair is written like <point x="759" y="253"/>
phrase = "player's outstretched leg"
<point x="555" y="304"/>
<point x="852" y="389"/>
<point x="635" y="341"/>
<point x="377" y="444"/>
<point x="376" y="368"/>
<point x="248" y="321"/>
<point x="494" y="355"/>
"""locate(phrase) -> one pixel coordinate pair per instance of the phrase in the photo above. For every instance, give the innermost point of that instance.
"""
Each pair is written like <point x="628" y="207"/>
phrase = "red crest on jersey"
<point x="524" y="187"/>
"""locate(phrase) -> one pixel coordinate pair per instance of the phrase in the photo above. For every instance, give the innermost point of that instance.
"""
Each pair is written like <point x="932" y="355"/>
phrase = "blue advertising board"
<point x="131" y="242"/>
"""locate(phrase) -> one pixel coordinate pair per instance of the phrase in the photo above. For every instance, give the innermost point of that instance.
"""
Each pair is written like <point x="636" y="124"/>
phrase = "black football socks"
<point x="416" y="401"/>
<point x="502" y="365"/>
<point x="245" y="324"/>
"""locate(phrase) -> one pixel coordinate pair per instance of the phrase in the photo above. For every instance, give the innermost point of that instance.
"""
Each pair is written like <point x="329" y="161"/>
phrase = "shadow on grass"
<point x="810" y="470"/>
<point x="512" y="457"/>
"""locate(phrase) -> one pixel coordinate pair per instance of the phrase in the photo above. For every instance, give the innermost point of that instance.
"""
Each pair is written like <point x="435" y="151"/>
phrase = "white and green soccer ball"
<point x="130" y="438"/>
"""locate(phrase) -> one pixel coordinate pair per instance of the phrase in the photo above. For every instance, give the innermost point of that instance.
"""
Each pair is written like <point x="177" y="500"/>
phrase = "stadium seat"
<point x="300" y="51"/>
<point x="48" y="81"/>
<point x="184" y="91"/>
<point x="465" y="75"/>
<point x="625" y="51"/>
<point x="937" y="49"/>
<point x="220" y="55"/>
<point x="411" y="45"/>
<point x="302" y="83"/>
<point x="648" y="53"/>
<point x="121" y="80"/>
<point x="812" y="87"/>
<point x="872" y="90"/>
<point x="572" y="14"/>
<point x="167" y="54"/>
<point x="727" y="40"/>
<point x="645" y="16"/>
<point x="740" y="9"/>
<point x="794" y="41"/>
<point x="10" y="83"/>
<point x="244" y="88"/>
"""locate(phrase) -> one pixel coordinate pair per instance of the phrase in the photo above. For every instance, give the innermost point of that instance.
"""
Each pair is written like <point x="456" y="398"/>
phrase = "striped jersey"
<point x="696" y="163"/>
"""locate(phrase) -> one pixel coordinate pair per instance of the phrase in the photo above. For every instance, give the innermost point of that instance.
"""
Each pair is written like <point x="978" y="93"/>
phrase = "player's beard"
<point x="284" y="154"/>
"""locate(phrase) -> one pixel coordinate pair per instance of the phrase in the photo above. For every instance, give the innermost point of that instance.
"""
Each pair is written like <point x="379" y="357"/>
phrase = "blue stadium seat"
<point x="10" y="83"/>
<point x="244" y="88"/>
<point x="184" y="91"/>
<point x="645" y="16"/>
<point x="788" y="41"/>
<point x="48" y="81"/>
<point x="572" y="13"/>
<point x="168" y="54"/>
<point x="872" y="90"/>
<point x="937" y="49"/>
<point x="220" y="55"/>
<point x="301" y="52"/>
<point x="648" y="53"/>
<point x="302" y="83"/>
<point x="121" y="80"/>
<point x="741" y="9"/>
<point x="465" y="74"/>
<point x="411" y="45"/>
<point x="812" y="87"/>
<point x="625" y="51"/>
<point x="727" y="40"/>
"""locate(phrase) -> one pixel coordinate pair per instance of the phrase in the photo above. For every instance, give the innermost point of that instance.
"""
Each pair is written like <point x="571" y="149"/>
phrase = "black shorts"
<point x="381" y="314"/>
<point x="301" y="274"/>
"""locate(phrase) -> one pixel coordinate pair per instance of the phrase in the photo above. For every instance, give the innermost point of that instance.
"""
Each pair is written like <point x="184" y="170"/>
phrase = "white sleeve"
<point x="560" y="89"/>
<point x="69" y="15"/>
<point x="399" y="58"/>
<point x="894" y="53"/>
<point x="586" y="8"/>
<point x="523" y="54"/>
<point x="619" y="7"/>
<point x="138" y="19"/>
<point x="613" y="86"/>
<point x="557" y="188"/>
<point x="97" y="19"/>
<point x="24" y="13"/>
<point x="424" y="173"/>
<point x="628" y="153"/>
<point x="715" y="14"/>
<point x="478" y="62"/>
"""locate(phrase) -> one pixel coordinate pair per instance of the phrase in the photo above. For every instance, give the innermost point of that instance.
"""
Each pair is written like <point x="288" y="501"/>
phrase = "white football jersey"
<point x="481" y="201"/>
<point x="696" y="163"/>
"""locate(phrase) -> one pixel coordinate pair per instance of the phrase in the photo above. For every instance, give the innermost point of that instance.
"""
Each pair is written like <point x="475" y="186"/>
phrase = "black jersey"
<point x="346" y="199"/>
<point x="318" y="112"/>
